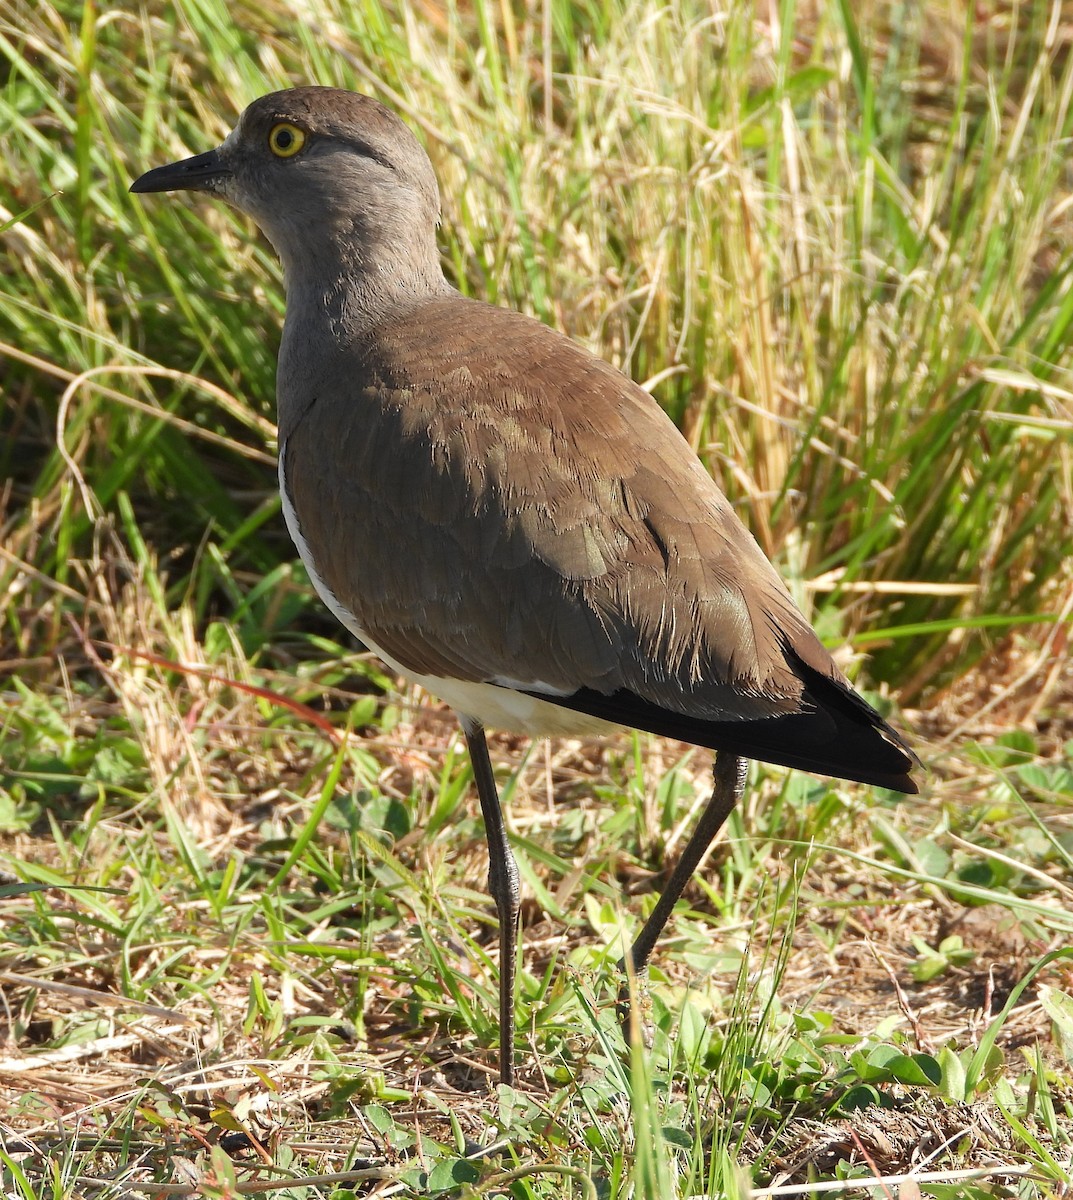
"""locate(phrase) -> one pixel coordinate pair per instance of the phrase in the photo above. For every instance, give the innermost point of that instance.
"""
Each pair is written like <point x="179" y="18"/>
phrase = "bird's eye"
<point x="285" y="139"/>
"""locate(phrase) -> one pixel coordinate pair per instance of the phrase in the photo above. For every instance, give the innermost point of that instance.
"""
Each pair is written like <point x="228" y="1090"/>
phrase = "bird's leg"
<point x="729" y="773"/>
<point x="504" y="886"/>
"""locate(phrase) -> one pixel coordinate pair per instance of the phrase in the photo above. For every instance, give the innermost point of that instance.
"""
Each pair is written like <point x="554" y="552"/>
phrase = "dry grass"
<point x="172" y="1016"/>
<point x="838" y="249"/>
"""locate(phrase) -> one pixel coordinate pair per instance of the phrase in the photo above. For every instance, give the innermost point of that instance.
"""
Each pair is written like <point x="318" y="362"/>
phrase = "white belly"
<point x="494" y="705"/>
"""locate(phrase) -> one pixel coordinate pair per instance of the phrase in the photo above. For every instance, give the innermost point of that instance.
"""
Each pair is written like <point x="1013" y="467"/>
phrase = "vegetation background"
<point x="244" y="933"/>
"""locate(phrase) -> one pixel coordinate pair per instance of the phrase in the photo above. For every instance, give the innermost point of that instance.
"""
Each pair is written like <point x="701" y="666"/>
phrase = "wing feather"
<point x="532" y="514"/>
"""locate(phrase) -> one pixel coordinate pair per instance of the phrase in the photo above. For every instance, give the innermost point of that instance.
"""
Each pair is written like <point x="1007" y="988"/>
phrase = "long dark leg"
<point x="729" y="775"/>
<point x="503" y="884"/>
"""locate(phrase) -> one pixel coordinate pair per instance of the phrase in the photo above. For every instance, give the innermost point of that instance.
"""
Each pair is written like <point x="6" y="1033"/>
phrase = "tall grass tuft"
<point x="834" y="240"/>
<point x="836" y="246"/>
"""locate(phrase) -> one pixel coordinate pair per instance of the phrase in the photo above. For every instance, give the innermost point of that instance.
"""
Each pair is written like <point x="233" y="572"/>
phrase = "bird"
<point x="502" y="516"/>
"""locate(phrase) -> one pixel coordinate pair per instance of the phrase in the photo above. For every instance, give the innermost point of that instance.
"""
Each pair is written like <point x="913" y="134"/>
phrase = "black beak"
<point x="202" y="173"/>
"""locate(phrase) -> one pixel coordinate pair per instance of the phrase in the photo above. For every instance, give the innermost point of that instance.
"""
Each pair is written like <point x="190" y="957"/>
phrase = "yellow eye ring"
<point x="285" y="139"/>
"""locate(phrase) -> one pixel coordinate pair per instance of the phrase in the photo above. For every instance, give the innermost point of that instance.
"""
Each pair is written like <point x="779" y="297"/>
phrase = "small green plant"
<point x="932" y="961"/>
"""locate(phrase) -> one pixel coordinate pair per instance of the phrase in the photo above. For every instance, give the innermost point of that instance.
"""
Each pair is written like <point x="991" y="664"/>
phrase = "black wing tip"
<point x="895" y="782"/>
<point x="905" y="784"/>
<point x="861" y="747"/>
<point x="891" y="760"/>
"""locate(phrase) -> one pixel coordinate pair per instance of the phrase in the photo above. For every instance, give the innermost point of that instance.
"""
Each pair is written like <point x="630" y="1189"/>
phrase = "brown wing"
<point x="528" y="514"/>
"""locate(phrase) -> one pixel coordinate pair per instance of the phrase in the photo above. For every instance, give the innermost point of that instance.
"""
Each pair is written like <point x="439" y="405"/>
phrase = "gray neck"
<point x="340" y="289"/>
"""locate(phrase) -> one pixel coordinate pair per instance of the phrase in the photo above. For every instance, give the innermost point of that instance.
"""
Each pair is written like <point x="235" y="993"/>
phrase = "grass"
<point x="245" y="938"/>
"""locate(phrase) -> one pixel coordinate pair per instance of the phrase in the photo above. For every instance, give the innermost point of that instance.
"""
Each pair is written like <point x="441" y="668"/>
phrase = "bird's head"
<point x="323" y="172"/>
